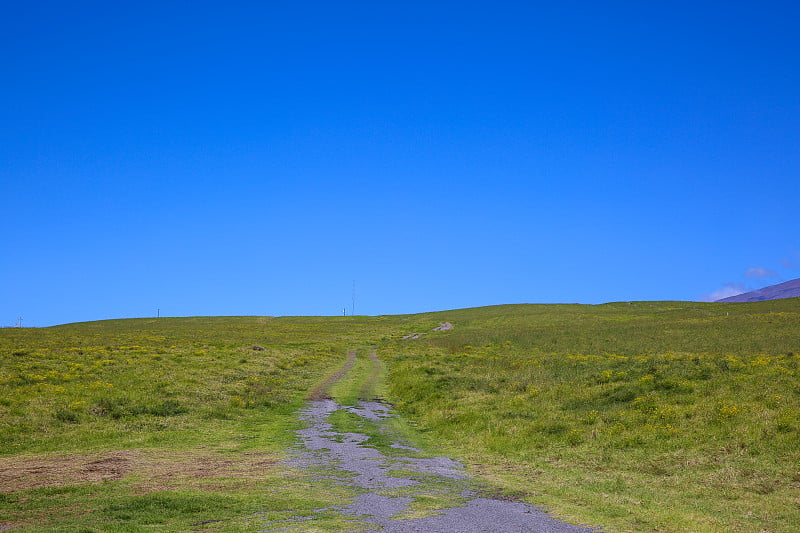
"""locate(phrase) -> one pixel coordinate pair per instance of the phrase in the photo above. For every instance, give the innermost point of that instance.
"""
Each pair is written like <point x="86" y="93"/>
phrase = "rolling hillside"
<point x="789" y="289"/>
<point x="635" y="416"/>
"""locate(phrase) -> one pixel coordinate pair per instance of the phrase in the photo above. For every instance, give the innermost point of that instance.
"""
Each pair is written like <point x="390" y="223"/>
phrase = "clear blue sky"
<point x="256" y="158"/>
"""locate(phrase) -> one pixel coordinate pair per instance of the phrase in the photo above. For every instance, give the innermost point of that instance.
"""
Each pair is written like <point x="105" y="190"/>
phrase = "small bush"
<point x="67" y="416"/>
<point x="117" y="408"/>
<point x="166" y="408"/>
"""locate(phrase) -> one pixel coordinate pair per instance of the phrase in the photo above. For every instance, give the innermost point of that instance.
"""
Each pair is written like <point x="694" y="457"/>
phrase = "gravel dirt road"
<point x="401" y="489"/>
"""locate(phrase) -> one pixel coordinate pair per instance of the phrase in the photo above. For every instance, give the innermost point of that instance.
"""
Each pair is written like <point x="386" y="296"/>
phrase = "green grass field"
<point x="658" y="416"/>
<point x="643" y="416"/>
<point x="127" y="425"/>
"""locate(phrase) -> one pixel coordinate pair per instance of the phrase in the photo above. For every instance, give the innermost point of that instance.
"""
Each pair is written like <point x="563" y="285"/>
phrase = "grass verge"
<point x="657" y="416"/>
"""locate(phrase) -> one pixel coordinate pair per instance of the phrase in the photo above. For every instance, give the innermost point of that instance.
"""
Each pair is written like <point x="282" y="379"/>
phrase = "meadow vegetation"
<point x="658" y="416"/>
<point x="126" y="425"/>
<point x="642" y="416"/>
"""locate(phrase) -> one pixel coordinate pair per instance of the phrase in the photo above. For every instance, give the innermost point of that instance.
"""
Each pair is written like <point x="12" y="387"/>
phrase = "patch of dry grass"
<point x="152" y="469"/>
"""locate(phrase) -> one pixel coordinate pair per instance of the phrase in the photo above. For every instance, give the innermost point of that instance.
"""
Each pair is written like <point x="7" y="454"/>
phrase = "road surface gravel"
<point x="389" y="484"/>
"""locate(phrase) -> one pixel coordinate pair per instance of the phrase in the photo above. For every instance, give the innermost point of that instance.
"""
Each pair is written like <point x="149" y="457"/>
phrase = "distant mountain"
<point x="789" y="289"/>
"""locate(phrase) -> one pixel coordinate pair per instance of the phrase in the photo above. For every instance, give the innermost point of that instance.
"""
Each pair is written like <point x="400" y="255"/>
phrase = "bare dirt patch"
<point x="48" y="471"/>
<point x="443" y="326"/>
<point x="205" y="471"/>
<point x="154" y="469"/>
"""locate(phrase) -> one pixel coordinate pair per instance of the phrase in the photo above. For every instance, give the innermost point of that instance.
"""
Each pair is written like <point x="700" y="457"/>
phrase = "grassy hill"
<point x="648" y="416"/>
<point x="177" y="424"/>
<point x="642" y="416"/>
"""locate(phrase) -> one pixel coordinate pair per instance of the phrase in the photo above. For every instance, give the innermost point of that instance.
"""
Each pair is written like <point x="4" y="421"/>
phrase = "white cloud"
<point x="731" y="289"/>
<point x="758" y="272"/>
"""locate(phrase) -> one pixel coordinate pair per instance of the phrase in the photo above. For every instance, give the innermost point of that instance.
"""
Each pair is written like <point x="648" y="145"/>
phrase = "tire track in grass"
<point x="369" y="389"/>
<point x="399" y="488"/>
<point x="322" y="390"/>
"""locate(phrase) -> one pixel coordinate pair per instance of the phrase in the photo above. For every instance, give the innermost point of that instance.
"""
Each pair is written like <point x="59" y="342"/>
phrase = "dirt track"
<point x="400" y="488"/>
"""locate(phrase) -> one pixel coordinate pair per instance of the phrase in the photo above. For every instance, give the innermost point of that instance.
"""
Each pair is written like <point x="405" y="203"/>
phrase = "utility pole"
<point x="158" y="313"/>
<point x="19" y="322"/>
<point x="353" y="311"/>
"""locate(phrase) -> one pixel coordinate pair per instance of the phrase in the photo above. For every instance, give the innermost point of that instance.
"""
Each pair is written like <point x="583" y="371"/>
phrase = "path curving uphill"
<point x="400" y="488"/>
